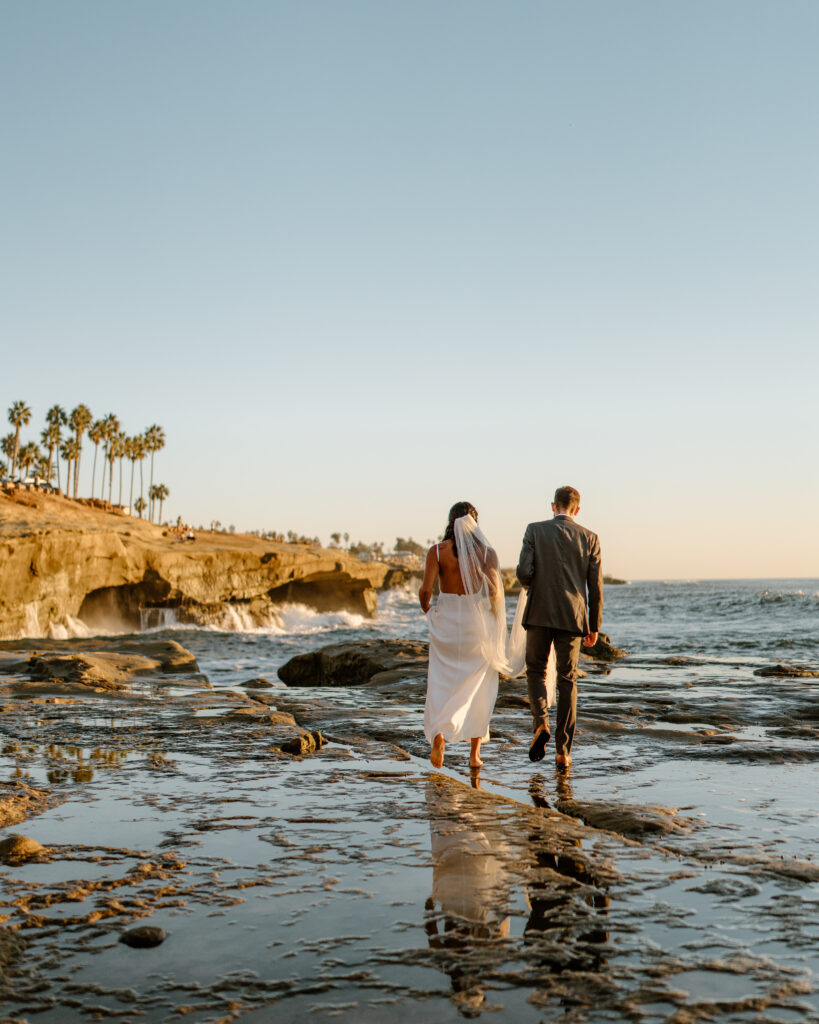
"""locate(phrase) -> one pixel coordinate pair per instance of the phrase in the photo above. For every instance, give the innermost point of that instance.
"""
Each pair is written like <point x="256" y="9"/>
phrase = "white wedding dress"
<point x="469" y="645"/>
<point x="462" y="686"/>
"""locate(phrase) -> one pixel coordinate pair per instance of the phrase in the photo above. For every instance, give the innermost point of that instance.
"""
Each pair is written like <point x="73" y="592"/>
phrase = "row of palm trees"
<point x="67" y="445"/>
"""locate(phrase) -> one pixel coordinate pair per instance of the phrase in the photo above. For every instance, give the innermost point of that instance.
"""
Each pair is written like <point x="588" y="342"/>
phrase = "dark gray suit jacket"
<point x="559" y="563"/>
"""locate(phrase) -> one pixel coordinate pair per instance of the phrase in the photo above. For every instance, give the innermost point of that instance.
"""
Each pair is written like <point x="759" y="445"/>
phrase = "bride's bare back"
<point x="443" y="566"/>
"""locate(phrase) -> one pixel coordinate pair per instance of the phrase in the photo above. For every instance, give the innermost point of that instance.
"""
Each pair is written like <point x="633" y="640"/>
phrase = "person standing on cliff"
<point x="561" y="567"/>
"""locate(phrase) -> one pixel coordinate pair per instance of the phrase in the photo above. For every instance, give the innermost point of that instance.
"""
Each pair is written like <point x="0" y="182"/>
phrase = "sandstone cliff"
<point x="65" y="566"/>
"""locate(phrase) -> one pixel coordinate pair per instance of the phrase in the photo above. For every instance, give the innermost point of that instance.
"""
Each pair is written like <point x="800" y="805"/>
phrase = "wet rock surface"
<point x="788" y="671"/>
<point x="19" y="801"/>
<point x="112" y="666"/>
<point x="668" y="877"/>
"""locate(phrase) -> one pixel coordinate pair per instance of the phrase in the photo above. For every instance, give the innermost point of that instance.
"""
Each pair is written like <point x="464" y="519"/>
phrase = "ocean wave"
<point x="284" y="620"/>
<point x="787" y="597"/>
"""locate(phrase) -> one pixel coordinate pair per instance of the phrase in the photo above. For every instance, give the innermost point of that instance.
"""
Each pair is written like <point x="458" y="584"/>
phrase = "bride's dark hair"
<point x="460" y="508"/>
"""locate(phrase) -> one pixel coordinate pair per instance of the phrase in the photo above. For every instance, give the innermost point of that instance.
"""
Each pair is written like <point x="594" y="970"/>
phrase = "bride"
<point x="468" y="643"/>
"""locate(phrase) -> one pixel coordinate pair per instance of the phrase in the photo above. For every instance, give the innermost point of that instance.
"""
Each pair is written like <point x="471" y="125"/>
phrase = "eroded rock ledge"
<point x="102" y="667"/>
<point x="65" y="565"/>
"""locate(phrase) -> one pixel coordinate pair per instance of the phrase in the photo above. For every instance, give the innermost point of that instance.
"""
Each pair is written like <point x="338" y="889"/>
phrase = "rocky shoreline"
<point x="279" y="848"/>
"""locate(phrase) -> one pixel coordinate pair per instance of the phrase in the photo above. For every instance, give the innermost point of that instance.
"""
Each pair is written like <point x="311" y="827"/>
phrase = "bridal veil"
<point x="480" y="574"/>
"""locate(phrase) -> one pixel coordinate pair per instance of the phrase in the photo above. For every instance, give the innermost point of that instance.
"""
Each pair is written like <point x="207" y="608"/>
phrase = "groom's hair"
<point x="567" y="498"/>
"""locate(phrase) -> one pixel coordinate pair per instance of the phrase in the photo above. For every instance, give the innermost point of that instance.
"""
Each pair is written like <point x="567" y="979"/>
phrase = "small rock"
<point x="143" y="937"/>
<point x="258" y="684"/>
<point x="17" y="849"/>
<point x="299" y="745"/>
<point x="318" y="739"/>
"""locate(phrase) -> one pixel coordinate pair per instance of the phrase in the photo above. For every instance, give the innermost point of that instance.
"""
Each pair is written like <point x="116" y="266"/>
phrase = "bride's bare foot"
<point x="436" y="755"/>
<point x="475" y="762"/>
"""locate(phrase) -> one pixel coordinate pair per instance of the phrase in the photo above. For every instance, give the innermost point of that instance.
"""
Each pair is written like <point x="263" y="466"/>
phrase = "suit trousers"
<point x="539" y="640"/>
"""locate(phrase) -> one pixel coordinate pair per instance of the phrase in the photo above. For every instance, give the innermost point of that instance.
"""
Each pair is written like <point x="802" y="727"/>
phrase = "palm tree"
<point x="70" y="452"/>
<point x="159" y="492"/>
<point x="121" y="443"/>
<point x="141" y="454"/>
<point x="154" y="442"/>
<point x="51" y="438"/>
<point x="97" y="433"/>
<point x="28" y="455"/>
<point x="19" y="416"/>
<point x="112" y="454"/>
<point x="56" y="419"/>
<point x="110" y="429"/>
<point x="132" y="449"/>
<point x="43" y="468"/>
<point x="7" y="446"/>
<point x="79" y="420"/>
<point x="139" y="505"/>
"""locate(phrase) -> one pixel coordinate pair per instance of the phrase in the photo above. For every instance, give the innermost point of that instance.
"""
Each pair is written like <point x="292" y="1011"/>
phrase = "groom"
<point x="560" y="565"/>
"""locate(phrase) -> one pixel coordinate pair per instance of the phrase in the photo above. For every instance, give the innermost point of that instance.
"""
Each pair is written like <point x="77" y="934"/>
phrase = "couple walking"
<point x="562" y="605"/>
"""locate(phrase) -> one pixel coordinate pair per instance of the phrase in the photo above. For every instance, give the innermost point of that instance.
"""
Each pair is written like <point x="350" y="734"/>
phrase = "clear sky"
<point x="362" y="259"/>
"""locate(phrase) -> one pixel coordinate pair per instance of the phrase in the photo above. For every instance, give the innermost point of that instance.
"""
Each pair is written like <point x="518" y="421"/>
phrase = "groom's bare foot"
<point x="563" y="760"/>
<point x="436" y="755"/>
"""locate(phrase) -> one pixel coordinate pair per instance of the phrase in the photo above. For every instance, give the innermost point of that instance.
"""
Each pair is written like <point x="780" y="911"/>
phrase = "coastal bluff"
<point x="67" y="567"/>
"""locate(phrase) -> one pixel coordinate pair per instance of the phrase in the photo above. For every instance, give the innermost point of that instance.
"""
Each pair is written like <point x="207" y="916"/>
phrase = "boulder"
<point x="355" y="664"/>
<point x="603" y="649"/>
<point x="144" y="936"/>
<point x="299" y="745"/>
<point x="306" y="743"/>
<point x="16" y="849"/>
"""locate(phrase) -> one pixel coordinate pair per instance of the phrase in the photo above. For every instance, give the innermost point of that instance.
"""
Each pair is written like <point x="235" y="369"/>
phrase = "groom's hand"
<point x="590" y="640"/>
